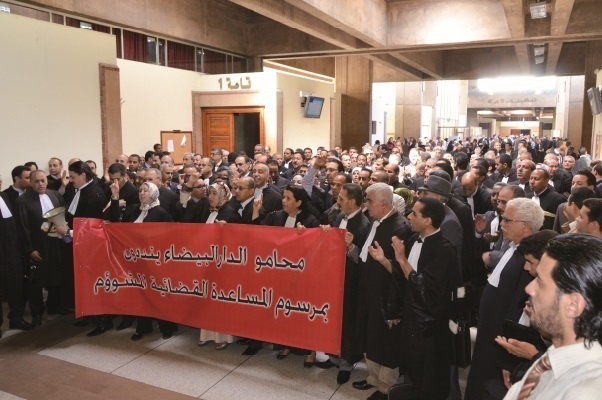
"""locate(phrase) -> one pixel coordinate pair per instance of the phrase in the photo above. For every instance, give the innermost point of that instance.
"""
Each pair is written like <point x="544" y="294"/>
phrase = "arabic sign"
<point x="265" y="283"/>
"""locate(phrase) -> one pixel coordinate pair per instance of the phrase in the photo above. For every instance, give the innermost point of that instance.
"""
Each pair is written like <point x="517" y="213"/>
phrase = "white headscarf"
<point x="153" y="201"/>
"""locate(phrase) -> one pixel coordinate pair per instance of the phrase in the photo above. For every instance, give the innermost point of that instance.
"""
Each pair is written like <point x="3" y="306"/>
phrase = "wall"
<point x="50" y="97"/>
<point x="298" y="130"/>
<point x="153" y="99"/>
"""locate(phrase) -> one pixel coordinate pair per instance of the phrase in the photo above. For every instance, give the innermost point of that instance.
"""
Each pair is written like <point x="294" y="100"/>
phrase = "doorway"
<point x="232" y="128"/>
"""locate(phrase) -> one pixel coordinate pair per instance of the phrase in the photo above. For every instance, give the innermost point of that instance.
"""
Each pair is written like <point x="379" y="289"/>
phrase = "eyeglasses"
<point x="508" y="220"/>
<point x="242" y="188"/>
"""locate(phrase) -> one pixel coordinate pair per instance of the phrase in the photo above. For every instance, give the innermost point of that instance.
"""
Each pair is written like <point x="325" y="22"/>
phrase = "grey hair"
<point x="529" y="211"/>
<point x="381" y="191"/>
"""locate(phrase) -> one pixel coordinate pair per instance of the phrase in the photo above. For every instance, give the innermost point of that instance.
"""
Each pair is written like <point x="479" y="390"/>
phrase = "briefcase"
<point x="461" y="346"/>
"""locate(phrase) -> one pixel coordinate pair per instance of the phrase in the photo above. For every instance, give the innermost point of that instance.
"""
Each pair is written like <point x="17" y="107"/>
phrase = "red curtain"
<point x="134" y="46"/>
<point x="180" y="56"/>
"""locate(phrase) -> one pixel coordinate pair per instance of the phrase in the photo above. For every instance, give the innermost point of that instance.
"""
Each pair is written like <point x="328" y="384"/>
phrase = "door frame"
<point x="206" y="146"/>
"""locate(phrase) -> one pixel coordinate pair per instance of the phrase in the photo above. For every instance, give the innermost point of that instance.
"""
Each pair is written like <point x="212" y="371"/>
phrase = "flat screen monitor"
<point x="594" y="100"/>
<point x="313" y="107"/>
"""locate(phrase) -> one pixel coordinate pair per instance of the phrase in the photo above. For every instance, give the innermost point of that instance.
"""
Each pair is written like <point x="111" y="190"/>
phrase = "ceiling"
<point x="410" y="40"/>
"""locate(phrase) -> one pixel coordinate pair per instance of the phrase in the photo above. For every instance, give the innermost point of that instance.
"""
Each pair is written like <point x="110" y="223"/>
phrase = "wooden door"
<point x="218" y="131"/>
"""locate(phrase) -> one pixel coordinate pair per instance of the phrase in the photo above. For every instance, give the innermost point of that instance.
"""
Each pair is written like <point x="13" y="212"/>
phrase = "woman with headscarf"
<point x="147" y="211"/>
<point x="296" y="213"/>
<point x="355" y="175"/>
<point x="219" y="210"/>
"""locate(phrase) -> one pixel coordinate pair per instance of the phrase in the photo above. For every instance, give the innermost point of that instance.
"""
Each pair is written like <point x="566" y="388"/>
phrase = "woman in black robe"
<point x="296" y="213"/>
<point x="148" y="210"/>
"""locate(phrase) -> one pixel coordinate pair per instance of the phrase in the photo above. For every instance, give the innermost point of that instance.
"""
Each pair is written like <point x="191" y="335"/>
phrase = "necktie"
<point x="364" y="253"/>
<point x="542" y="365"/>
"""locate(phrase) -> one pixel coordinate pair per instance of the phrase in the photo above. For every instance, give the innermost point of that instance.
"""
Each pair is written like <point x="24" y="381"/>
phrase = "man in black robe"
<point x="350" y="200"/>
<point x="41" y="248"/>
<point x="427" y="273"/>
<point x="379" y="300"/>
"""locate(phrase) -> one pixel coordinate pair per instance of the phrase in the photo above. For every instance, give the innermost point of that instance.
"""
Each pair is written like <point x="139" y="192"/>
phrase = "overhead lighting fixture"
<point x="539" y="60"/>
<point x="538" y="10"/>
<point x="539" y="50"/>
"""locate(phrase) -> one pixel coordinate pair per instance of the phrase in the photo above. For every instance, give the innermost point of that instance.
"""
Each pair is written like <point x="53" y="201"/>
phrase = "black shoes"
<point x="123" y="325"/>
<point x="36" y="320"/>
<point x="243" y="341"/>
<point x="310" y="360"/>
<point x="20" y="324"/>
<point x="99" y="330"/>
<point x="325" y="364"/>
<point x="252" y="349"/>
<point x="343" y="377"/>
<point x="362" y="385"/>
<point x="136" y="336"/>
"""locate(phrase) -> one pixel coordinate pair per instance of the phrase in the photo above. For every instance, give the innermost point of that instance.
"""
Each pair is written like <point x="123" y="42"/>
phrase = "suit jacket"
<point x="281" y="182"/>
<point x="560" y="219"/>
<point x="128" y="192"/>
<point x="527" y="188"/>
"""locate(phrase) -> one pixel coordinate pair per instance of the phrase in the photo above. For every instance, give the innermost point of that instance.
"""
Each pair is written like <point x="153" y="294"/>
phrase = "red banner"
<point x="265" y="283"/>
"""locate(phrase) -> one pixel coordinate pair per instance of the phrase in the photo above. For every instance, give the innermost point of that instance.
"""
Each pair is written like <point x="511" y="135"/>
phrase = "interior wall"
<point x="50" y="94"/>
<point x="298" y="130"/>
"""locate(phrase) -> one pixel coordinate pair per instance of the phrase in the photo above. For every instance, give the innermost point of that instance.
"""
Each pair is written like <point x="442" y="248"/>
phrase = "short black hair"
<point x="30" y="164"/>
<point x="536" y="243"/>
<point x="149" y="155"/>
<point x="340" y="166"/>
<point x="461" y="160"/>
<point x="506" y="159"/>
<point x="517" y="191"/>
<point x="433" y="209"/>
<point x="591" y="179"/>
<point x="18" y="171"/>
<point x="578" y="269"/>
<point x="580" y="194"/>
<point x="446" y="167"/>
<point x="595" y="210"/>
<point x="354" y="191"/>
<point x="117" y="168"/>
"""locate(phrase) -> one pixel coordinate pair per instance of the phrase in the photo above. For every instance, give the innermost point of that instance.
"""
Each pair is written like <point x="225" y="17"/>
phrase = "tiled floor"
<point x="67" y="364"/>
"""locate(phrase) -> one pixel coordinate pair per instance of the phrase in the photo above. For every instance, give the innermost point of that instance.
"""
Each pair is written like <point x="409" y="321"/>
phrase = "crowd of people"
<point x="503" y="234"/>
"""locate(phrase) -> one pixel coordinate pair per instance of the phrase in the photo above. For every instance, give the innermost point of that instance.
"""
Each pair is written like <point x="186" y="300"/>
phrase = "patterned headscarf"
<point x="223" y="192"/>
<point x="153" y="201"/>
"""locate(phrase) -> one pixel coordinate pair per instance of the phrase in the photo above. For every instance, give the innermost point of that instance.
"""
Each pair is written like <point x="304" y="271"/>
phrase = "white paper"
<point x="183" y="141"/>
<point x="170" y="146"/>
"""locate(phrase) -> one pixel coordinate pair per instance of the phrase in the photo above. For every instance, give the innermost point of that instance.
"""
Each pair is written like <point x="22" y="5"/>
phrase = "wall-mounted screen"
<point x="313" y="107"/>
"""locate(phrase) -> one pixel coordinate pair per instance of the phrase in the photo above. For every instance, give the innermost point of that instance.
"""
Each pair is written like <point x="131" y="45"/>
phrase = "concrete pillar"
<point x="593" y="61"/>
<point x="353" y="86"/>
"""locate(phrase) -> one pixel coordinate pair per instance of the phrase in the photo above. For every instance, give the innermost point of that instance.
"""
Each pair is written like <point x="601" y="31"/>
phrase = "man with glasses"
<point x="206" y="168"/>
<point x="217" y="156"/>
<point x="503" y="296"/>
<point x="194" y="206"/>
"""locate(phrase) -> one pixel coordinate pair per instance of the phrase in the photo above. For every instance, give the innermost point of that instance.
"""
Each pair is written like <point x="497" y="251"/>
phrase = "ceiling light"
<point x="538" y="10"/>
<point x="539" y="60"/>
<point x="539" y="50"/>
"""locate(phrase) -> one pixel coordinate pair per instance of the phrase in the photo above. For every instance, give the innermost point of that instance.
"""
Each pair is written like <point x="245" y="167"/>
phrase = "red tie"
<point x="542" y="365"/>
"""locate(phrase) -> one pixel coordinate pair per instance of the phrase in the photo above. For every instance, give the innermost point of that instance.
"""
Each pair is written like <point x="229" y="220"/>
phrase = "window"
<point x="180" y="56"/>
<point x="214" y="62"/>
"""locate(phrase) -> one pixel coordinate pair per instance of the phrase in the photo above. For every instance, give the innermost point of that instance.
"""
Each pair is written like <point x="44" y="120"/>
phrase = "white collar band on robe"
<point x="75" y="202"/>
<point x="4" y="209"/>
<point x="375" y="224"/>
<point x="494" y="278"/>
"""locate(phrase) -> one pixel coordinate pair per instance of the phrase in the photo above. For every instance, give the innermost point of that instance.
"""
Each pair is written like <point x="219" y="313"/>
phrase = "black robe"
<point x="11" y="266"/>
<point x="351" y="341"/>
<point x="497" y="304"/>
<point x="379" y="299"/>
<point x="427" y="307"/>
<point x="49" y="271"/>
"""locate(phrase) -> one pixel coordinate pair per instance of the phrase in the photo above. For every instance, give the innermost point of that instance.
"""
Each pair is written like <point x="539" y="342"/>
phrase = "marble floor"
<point x="66" y="364"/>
